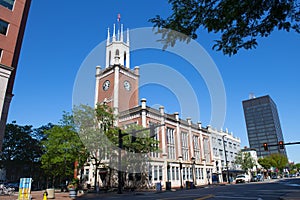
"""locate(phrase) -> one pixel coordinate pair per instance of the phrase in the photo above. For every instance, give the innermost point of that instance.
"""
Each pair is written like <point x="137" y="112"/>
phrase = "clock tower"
<point x="117" y="84"/>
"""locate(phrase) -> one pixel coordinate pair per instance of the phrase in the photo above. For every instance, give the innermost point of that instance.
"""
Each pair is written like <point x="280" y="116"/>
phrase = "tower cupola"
<point x="117" y="49"/>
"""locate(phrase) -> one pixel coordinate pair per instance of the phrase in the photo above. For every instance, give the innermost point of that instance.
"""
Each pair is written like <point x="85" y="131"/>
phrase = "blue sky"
<point x="60" y="34"/>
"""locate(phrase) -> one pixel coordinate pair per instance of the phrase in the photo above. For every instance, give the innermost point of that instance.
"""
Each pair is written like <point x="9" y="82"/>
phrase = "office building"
<point x="13" y="17"/>
<point x="263" y="125"/>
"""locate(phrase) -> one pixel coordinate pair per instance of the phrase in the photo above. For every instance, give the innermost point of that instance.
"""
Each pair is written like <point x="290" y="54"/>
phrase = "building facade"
<point x="13" y="17"/>
<point x="225" y="148"/>
<point x="186" y="148"/>
<point x="263" y="125"/>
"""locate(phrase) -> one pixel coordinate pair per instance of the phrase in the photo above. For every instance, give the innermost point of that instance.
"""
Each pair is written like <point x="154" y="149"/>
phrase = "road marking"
<point x="205" y="197"/>
<point x="189" y="196"/>
<point x="232" y="197"/>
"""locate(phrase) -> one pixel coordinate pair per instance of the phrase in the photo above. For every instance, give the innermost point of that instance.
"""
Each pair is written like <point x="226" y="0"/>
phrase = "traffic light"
<point x="281" y="145"/>
<point x="133" y="136"/>
<point x="152" y="130"/>
<point x="266" y="146"/>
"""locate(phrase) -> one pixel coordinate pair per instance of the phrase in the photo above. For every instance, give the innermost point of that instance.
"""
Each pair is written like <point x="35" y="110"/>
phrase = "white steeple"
<point x="117" y="51"/>
<point x="121" y="38"/>
<point x="108" y="37"/>
<point x="114" y="34"/>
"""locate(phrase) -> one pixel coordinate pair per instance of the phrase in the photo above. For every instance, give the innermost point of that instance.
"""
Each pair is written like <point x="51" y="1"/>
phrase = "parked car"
<point x="13" y="185"/>
<point x="243" y="178"/>
<point x="254" y="179"/>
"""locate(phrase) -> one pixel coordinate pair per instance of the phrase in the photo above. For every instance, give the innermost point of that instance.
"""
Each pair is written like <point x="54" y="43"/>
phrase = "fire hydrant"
<point x="45" y="195"/>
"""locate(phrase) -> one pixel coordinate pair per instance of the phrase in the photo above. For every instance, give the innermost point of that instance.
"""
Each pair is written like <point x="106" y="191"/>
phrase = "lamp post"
<point x="180" y="171"/>
<point x="193" y="169"/>
<point x="226" y="159"/>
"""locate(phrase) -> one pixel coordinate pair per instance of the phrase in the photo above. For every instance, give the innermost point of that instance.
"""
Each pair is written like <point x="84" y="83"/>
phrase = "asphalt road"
<point x="287" y="189"/>
<point x="271" y="190"/>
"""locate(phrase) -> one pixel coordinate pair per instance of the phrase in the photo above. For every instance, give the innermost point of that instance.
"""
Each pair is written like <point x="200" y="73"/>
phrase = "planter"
<point x="72" y="193"/>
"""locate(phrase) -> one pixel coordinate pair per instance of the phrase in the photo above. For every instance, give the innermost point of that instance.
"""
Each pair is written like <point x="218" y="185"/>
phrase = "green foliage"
<point x="94" y="127"/>
<point x="237" y="23"/>
<point x="142" y="142"/>
<point x="19" y="145"/>
<point x="245" y="160"/>
<point x="61" y="149"/>
<point x="265" y="162"/>
<point x="278" y="161"/>
<point x="22" y="151"/>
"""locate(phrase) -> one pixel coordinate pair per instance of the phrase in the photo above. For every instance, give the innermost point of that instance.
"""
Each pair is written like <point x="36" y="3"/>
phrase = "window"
<point x="155" y="154"/>
<point x="160" y="173"/>
<point x="185" y="148"/>
<point x="155" y="173"/>
<point x="1" y="53"/>
<point x="3" y="27"/>
<point x="7" y="3"/>
<point x="171" y="143"/>
<point x="206" y="149"/>
<point x="196" y="148"/>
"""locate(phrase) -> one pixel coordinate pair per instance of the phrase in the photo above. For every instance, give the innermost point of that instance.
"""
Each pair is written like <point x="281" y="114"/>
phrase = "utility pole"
<point x="226" y="159"/>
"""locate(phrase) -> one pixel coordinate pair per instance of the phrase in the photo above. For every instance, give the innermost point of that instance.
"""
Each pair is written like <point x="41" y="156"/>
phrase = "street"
<point x="288" y="189"/>
<point x="269" y="190"/>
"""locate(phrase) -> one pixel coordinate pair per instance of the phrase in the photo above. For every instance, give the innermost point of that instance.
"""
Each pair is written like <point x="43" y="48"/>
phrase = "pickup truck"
<point x="242" y="178"/>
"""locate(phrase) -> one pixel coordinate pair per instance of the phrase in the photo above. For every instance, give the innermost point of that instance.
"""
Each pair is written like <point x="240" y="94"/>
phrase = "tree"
<point x="237" y="23"/>
<point x="265" y="162"/>
<point x="61" y="149"/>
<point x="21" y="152"/>
<point x="95" y="127"/>
<point x="135" y="160"/>
<point x="245" y="160"/>
<point x="101" y="138"/>
<point x="278" y="161"/>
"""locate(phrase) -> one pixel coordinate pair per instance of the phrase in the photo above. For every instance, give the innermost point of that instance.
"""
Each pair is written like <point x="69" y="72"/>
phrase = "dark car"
<point x="13" y="185"/>
<point x="254" y="179"/>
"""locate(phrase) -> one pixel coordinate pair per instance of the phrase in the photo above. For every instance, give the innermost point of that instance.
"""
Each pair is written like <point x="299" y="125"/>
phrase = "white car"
<point x="242" y="178"/>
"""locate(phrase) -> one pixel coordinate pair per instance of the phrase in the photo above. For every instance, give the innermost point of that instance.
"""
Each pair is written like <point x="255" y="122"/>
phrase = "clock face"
<point x="127" y="85"/>
<point x="106" y="85"/>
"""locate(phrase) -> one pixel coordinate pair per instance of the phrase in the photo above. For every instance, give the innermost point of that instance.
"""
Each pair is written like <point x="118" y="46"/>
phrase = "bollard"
<point x="45" y="195"/>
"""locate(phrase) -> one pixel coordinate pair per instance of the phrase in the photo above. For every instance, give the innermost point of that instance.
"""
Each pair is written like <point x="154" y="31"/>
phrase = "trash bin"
<point x="51" y="193"/>
<point x="158" y="186"/>
<point x="189" y="185"/>
<point x="168" y="185"/>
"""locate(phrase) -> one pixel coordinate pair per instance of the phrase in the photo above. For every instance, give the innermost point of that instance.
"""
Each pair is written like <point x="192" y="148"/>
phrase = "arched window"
<point x="125" y="58"/>
<point x="109" y="58"/>
<point x="117" y="52"/>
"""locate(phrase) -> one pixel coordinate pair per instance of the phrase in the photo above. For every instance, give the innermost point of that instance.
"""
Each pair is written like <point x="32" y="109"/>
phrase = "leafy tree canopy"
<point x="278" y="161"/>
<point x="238" y="23"/>
<point x="62" y="148"/>
<point x="245" y="160"/>
<point x="19" y="144"/>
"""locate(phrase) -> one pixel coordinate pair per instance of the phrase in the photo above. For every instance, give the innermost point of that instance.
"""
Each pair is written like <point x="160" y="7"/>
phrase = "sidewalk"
<point x="38" y="195"/>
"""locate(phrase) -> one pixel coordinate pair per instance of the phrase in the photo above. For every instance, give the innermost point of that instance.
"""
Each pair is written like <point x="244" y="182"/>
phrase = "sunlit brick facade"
<point x="13" y="17"/>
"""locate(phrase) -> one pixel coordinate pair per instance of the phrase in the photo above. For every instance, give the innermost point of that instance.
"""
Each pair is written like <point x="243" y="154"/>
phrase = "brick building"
<point x="186" y="147"/>
<point x="13" y="17"/>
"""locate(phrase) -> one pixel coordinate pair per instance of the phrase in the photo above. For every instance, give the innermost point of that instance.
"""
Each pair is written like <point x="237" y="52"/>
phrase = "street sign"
<point x="25" y="189"/>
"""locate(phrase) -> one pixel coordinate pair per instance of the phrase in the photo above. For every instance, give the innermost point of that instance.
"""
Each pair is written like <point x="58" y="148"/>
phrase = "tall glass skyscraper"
<point x="263" y="125"/>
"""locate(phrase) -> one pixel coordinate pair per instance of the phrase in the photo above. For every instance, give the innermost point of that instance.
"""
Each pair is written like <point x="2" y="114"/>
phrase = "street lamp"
<point x="193" y="169"/>
<point x="226" y="158"/>
<point x="180" y="171"/>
